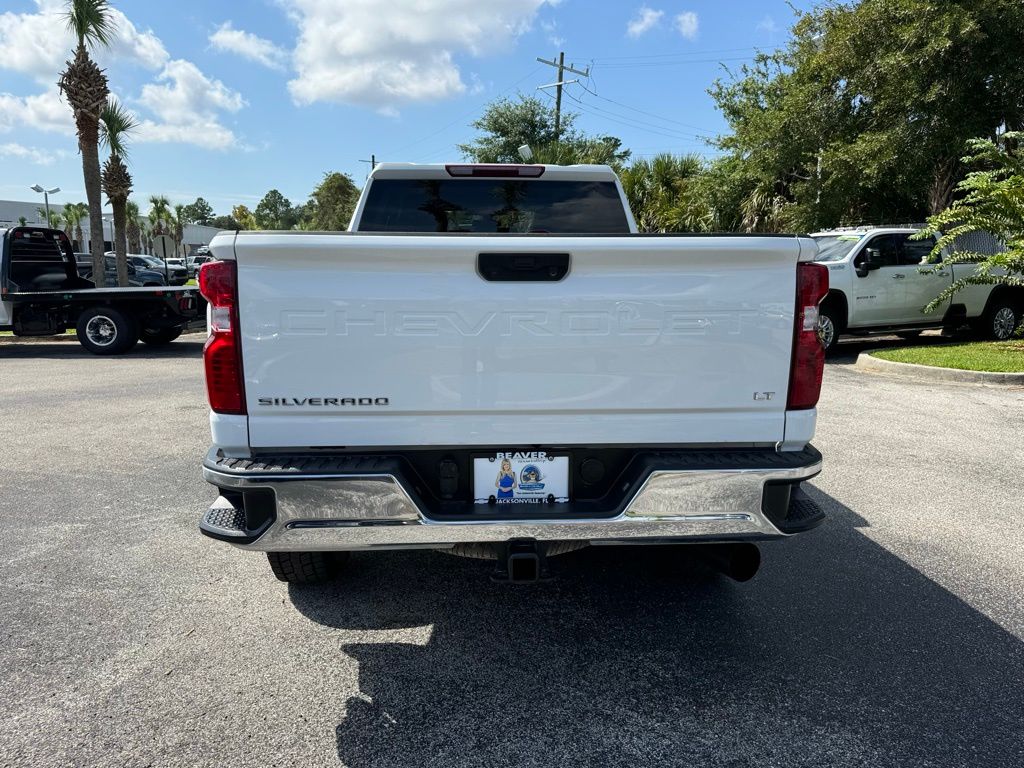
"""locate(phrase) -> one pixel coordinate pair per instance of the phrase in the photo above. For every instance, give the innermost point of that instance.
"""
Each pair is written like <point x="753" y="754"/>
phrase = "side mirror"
<point x="868" y="260"/>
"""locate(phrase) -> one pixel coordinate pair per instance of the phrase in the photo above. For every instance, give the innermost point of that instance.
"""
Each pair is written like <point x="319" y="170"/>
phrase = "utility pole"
<point x="372" y="161"/>
<point x="562" y="69"/>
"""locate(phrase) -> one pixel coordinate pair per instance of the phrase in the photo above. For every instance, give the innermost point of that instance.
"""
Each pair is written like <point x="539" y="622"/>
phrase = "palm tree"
<point x="159" y="214"/>
<point x="67" y="216"/>
<point x="116" y="123"/>
<point x="660" y="193"/>
<point x="178" y="224"/>
<point x="132" y="229"/>
<point x="52" y="218"/>
<point x="85" y="86"/>
<point x="22" y="221"/>
<point x="81" y="211"/>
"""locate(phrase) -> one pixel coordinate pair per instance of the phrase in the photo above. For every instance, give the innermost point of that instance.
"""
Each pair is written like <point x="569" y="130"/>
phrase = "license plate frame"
<point x="538" y="477"/>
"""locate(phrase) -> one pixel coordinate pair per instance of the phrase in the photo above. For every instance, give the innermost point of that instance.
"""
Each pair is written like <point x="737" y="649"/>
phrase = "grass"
<point x="996" y="356"/>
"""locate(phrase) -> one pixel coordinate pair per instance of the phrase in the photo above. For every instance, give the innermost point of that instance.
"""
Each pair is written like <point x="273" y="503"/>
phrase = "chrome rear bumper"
<point x="355" y="505"/>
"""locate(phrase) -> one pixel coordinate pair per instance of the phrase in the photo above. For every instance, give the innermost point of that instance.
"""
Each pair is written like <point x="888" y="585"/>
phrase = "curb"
<point x="866" y="361"/>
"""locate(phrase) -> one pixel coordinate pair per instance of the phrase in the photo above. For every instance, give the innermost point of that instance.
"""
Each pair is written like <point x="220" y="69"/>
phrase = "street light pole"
<point x="46" y="198"/>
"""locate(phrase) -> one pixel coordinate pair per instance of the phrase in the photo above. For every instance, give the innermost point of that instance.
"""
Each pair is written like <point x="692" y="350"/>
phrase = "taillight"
<point x="808" y="362"/>
<point x="222" y="355"/>
<point x="496" y="171"/>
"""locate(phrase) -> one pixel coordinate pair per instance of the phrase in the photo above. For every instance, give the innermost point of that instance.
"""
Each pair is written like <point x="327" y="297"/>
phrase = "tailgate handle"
<point x="523" y="267"/>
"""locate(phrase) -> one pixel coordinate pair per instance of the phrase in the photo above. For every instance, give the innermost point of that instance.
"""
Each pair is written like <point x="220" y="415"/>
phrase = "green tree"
<point x="860" y="116"/>
<point x="224" y="222"/>
<point x="244" y="217"/>
<point x="274" y="211"/>
<point x="116" y="123"/>
<point x="53" y="220"/>
<point x="22" y="221"/>
<point x="85" y="86"/>
<point x="133" y="230"/>
<point x="508" y="124"/>
<point x="177" y="223"/>
<point x="662" y="194"/>
<point x="199" y="212"/>
<point x="331" y="204"/>
<point x="992" y="202"/>
<point x="159" y="215"/>
<point x="78" y="212"/>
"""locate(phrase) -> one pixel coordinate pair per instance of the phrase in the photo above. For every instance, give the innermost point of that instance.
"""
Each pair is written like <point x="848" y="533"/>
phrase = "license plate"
<point x="520" y="477"/>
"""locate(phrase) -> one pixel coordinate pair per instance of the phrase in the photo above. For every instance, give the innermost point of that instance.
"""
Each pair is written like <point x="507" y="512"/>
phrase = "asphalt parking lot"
<point x="891" y="636"/>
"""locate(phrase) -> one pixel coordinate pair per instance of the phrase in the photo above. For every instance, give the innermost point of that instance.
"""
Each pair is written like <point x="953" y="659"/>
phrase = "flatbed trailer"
<point x="42" y="294"/>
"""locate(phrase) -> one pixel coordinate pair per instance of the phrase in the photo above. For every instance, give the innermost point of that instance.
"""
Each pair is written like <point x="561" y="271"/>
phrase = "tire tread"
<point x="304" y="567"/>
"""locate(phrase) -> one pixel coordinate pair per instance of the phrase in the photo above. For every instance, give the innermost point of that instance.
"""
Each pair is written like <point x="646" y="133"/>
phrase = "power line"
<point x="641" y="111"/>
<point x="635" y="124"/>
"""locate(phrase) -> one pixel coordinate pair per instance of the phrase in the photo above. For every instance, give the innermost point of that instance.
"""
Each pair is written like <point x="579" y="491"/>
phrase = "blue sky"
<point x="235" y="99"/>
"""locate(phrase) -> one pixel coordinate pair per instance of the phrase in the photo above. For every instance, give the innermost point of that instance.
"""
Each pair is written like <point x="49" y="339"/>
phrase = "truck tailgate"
<point x="397" y="340"/>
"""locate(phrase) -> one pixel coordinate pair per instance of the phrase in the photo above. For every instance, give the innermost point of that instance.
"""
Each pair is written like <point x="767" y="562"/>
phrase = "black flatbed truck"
<point x="42" y="294"/>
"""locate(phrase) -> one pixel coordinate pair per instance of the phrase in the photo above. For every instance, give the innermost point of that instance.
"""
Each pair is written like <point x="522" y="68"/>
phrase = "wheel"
<point x="1000" y="320"/>
<point x="909" y="335"/>
<point x="161" y="337"/>
<point x="306" y="567"/>
<point x="106" y="331"/>
<point x="828" y="327"/>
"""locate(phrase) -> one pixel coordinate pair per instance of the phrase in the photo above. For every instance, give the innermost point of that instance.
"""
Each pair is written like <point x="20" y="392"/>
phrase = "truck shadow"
<point x="188" y="346"/>
<point x="838" y="653"/>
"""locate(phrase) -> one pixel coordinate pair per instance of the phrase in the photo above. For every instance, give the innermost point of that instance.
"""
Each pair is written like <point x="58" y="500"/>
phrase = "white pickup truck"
<point x="880" y="282"/>
<point x="492" y="361"/>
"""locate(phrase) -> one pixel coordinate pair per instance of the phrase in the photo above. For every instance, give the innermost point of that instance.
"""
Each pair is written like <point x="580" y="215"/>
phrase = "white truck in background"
<point x="493" y="361"/>
<point x="880" y="282"/>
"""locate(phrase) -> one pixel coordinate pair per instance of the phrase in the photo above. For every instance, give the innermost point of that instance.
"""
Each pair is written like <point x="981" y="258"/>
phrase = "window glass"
<point x="915" y="252"/>
<point x="835" y="247"/>
<point x="886" y="245"/>
<point x="493" y="205"/>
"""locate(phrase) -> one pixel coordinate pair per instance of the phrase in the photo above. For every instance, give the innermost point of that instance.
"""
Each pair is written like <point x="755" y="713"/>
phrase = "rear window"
<point x="493" y="205"/>
<point x="835" y="247"/>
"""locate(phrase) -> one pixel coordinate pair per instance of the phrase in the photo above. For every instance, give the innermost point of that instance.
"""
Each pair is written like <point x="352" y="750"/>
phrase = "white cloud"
<point x="551" y="30"/>
<point x="37" y="44"/>
<point x="645" y="20"/>
<point x="768" y="25"/>
<point x="686" y="23"/>
<point x="205" y="133"/>
<point x="32" y="154"/>
<point x="357" y="52"/>
<point x="43" y="111"/>
<point x="248" y="46"/>
<point x="188" y="104"/>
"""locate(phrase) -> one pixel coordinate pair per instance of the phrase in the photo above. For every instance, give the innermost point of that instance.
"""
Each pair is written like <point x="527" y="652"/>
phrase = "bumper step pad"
<point x="224" y="520"/>
<point x="804" y="513"/>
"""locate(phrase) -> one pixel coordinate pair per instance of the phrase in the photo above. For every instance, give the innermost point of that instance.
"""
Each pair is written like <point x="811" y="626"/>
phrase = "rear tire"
<point x="306" y="567"/>
<point x="106" y="331"/>
<point x="1000" y="320"/>
<point x="160" y="338"/>
<point x="828" y="327"/>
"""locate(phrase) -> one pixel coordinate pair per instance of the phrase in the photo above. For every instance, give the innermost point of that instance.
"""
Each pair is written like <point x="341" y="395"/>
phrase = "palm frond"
<point x="91" y="22"/>
<point x="116" y="122"/>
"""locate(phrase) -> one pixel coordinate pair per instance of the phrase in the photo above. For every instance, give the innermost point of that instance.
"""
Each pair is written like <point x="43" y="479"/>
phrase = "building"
<point x="11" y="211"/>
